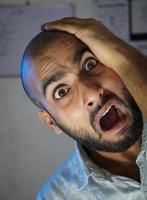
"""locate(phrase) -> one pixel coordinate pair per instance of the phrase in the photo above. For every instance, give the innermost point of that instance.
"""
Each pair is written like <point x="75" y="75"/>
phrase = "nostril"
<point x="90" y="104"/>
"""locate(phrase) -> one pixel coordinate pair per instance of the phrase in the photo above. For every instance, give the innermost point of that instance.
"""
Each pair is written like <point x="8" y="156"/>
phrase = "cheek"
<point x="73" y="116"/>
<point x="112" y="82"/>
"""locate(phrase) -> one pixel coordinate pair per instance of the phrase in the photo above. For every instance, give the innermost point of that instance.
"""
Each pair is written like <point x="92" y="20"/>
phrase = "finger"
<point x="45" y="26"/>
<point x="63" y="25"/>
<point x="68" y="24"/>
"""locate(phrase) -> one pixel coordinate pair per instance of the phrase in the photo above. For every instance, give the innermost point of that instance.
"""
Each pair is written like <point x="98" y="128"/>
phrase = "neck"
<point x="128" y="156"/>
<point x="123" y="163"/>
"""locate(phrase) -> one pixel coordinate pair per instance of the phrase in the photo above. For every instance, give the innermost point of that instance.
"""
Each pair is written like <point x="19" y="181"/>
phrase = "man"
<point x="91" y="85"/>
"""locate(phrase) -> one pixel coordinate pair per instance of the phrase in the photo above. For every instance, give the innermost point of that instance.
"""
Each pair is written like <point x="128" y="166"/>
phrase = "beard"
<point x="129" y="138"/>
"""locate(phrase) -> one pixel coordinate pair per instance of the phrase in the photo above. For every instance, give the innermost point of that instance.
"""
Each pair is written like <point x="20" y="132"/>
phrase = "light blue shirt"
<point x="79" y="178"/>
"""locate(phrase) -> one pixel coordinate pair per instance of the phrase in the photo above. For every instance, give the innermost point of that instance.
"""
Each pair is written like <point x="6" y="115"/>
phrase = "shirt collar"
<point x="139" y="159"/>
<point x="87" y="168"/>
<point x="84" y="172"/>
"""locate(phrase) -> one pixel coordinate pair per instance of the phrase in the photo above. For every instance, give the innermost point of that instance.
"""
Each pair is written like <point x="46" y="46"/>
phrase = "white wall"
<point x="29" y="152"/>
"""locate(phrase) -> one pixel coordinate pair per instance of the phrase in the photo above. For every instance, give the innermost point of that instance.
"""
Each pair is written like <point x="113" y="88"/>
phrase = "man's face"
<point x="87" y="99"/>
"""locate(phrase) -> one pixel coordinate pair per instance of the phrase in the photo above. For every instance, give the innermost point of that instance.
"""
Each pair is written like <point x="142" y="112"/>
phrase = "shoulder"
<point x="60" y="183"/>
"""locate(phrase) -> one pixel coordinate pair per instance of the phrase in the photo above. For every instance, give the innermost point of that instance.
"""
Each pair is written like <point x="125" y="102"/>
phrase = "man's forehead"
<point x="62" y="55"/>
<point x="60" y="49"/>
<point x="47" y="66"/>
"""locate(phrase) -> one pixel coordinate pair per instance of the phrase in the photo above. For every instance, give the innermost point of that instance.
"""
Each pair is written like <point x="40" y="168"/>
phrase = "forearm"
<point x="131" y="65"/>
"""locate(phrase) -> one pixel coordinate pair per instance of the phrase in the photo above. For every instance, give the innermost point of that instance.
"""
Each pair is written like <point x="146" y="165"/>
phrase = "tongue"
<point x="110" y="119"/>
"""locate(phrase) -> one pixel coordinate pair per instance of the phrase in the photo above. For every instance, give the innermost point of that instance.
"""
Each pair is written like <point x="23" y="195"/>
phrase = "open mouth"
<point x="111" y="118"/>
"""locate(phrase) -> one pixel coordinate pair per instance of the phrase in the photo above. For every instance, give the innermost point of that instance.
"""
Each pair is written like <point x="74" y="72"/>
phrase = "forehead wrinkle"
<point x="48" y="63"/>
<point x="80" y="53"/>
<point x="45" y="66"/>
<point x="48" y="68"/>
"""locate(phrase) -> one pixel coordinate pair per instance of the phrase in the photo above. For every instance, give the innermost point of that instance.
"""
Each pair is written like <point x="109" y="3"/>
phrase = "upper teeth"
<point x="106" y="111"/>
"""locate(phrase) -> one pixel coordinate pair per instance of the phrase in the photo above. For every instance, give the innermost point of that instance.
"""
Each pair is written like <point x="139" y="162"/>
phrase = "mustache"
<point x="104" y="99"/>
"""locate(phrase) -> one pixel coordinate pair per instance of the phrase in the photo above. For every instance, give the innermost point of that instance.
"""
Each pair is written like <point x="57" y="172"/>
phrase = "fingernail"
<point x="43" y="27"/>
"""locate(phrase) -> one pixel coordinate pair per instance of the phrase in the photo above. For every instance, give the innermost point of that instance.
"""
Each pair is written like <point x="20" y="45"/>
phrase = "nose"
<point x="91" y="95"/>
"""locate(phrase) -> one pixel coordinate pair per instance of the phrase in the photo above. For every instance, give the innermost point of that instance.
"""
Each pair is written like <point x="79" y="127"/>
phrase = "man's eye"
<point x="61" y="91"/>
<point x="90" y="64"/>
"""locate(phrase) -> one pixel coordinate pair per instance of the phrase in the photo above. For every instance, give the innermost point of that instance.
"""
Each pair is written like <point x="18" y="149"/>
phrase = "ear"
<point x="48" y="120"/>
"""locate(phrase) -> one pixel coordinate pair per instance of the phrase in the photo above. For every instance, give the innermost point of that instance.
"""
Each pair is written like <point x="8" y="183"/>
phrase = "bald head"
<point x="65" y="79"/>
<point x="39" y="56"/>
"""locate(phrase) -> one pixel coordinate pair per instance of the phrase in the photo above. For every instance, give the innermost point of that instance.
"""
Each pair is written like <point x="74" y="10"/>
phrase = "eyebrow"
<point x="60" y="75"/>
<point x="79" y="54"/>
<point x="52" y="79"/>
